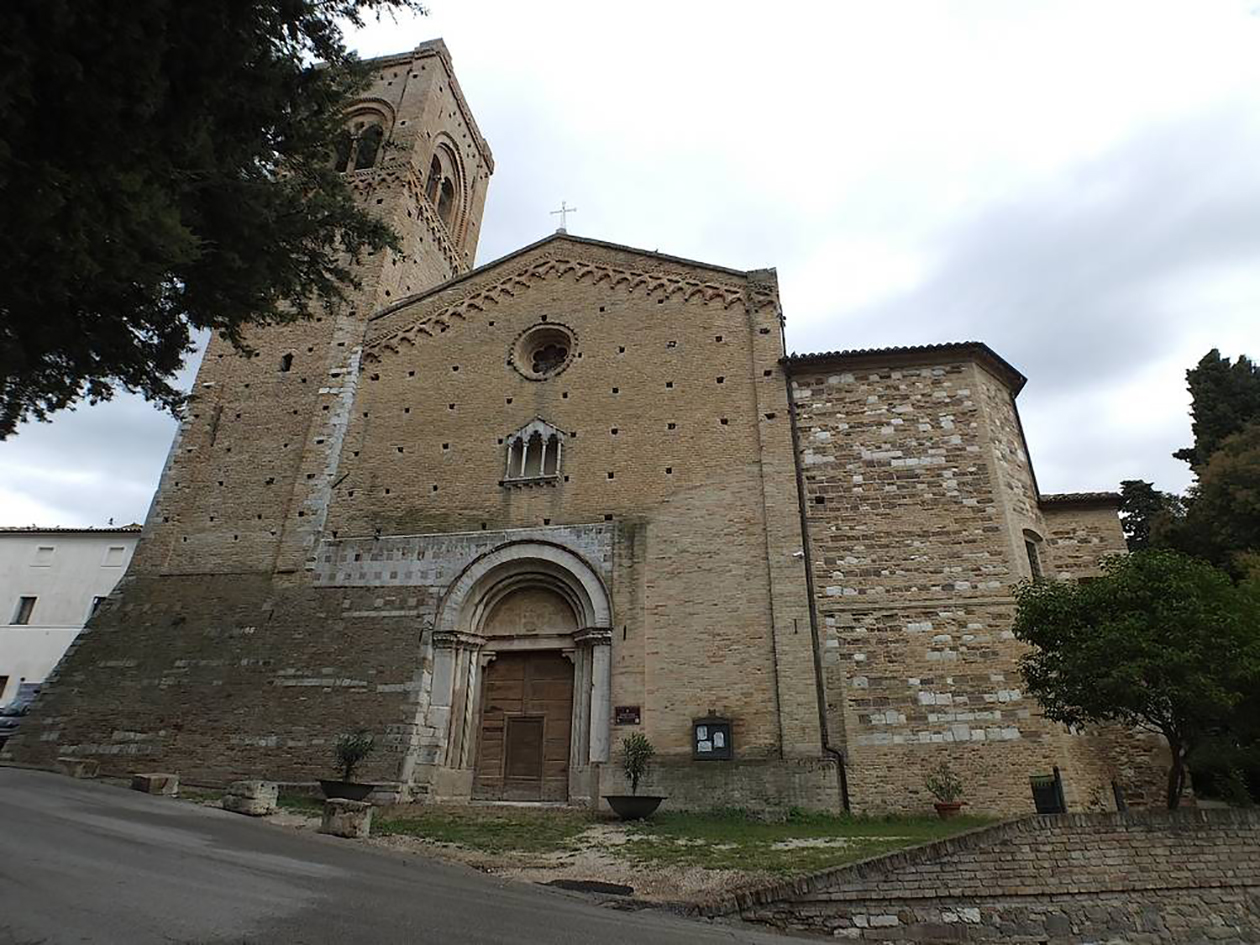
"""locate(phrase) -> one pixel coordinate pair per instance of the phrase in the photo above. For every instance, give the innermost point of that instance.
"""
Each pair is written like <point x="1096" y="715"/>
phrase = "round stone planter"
<point x="947" y="809"/>
<point x="633" y="806"/>
<point x="346" y="790"/>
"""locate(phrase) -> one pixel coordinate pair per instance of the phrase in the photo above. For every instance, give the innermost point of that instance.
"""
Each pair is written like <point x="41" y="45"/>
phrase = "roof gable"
<point x="561" y="256"/>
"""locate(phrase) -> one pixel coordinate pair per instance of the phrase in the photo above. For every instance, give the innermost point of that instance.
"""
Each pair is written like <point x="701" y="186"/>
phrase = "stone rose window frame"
<point x="543" y="350"/>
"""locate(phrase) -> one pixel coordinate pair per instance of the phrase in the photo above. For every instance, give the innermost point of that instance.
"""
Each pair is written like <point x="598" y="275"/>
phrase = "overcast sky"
<point x="1076" y="184"/>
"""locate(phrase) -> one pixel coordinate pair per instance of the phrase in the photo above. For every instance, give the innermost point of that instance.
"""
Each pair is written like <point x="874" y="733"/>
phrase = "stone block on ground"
<point x="156" y="783"/>
<point x="254" y="798"/>
<point x="78" y="767"/>
<point x="349" y="819"/>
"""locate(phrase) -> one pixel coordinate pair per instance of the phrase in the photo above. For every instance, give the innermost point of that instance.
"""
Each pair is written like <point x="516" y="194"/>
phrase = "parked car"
<point x="11" y="714"/>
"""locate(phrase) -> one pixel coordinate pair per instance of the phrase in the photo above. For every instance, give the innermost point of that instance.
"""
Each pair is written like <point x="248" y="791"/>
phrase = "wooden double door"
<point x="526" y="720"/>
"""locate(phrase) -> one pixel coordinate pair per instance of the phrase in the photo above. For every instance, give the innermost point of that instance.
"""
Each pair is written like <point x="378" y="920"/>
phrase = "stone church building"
<point x="504" y="516"/>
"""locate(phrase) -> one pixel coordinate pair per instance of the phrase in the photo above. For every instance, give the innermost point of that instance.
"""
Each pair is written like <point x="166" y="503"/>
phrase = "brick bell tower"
<point x="248" y="479"/>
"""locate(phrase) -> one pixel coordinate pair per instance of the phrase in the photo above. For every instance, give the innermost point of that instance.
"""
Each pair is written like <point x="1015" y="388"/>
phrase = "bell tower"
<point x="251" y="471"/>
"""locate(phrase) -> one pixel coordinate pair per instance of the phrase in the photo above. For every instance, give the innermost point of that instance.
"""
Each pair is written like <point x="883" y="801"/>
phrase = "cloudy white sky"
<point x="1076" y="184"/>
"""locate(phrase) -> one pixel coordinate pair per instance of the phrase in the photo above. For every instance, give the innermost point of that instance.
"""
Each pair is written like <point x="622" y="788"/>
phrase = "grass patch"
<point x="488" y="829"/>
<point x="301" y="804"/>
<point x="199" y="795"/>
<point x="803" y="843"/>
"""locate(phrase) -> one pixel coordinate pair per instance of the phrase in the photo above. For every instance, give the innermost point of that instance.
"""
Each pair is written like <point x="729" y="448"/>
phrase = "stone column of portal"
<point x="599" y="642"/>
<point x="580" y="730"/>
<point x="450" y="677"/>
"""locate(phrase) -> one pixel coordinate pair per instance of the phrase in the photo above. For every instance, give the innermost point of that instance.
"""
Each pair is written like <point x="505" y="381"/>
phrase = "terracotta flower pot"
<point x="633" y="806"/>
<point x="948" y="809"/>
<point x="346" y="790"/>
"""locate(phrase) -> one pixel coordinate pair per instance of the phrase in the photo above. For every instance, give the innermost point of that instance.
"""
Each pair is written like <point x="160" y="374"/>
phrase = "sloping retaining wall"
<point x="1145" y="878"/>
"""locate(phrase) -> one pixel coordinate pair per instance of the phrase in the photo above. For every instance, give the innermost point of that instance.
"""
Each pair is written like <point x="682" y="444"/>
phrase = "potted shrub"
<point x="636" y="759"/>
<point x="946" y="787"/>
<point x="349" y="750"/>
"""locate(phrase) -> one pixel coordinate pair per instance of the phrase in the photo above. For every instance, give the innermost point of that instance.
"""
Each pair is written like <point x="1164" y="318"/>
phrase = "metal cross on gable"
<point x="564" y="211"/>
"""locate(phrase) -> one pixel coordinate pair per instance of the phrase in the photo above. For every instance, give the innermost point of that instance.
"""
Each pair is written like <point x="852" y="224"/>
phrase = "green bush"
<point x="351" y="749"/>
<point x="636" y="758"/>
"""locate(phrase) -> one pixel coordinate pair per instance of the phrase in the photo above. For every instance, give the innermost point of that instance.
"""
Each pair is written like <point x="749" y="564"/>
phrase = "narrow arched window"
<point x="551" y="456"/>
<point x="534" y="456"/>
<point x="341" y="150"/>
<point x="286" y="362"/>
<point x="446" y="203"/>
<point x="1032" y="546"/>
<point x="516" y="459"/>
<point x="435" y="180"/>
<point x="368" y="147"/>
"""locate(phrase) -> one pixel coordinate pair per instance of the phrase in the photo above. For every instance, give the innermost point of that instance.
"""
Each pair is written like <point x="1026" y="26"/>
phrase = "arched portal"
<point x="519" y="704"/>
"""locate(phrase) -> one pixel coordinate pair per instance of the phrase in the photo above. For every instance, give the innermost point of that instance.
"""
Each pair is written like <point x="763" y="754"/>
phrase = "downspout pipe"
<point x="819" y="686"/>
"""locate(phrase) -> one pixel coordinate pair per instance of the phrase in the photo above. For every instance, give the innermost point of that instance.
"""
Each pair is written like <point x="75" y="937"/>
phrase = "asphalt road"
<point x="90" y="862"/>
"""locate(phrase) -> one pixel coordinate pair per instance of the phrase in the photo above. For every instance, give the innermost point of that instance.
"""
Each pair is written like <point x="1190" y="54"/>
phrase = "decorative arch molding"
<point x="444" y="147"/>
<point x="486" y="297"/>
<point x="363" y="141"/>
<point x="470" y="597"/>
<point x="372" y="106"/>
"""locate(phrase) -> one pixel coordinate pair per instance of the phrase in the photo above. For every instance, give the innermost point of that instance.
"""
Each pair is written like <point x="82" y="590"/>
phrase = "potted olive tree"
<point x="636" y="759"/>
<point x="947" y="788"/>
<point x="349" y="750"/>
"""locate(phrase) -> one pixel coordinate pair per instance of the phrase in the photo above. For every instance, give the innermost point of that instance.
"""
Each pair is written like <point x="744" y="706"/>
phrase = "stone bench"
<point x="78" y="767"/>
<point x="156" y="783"/>
<point x="349" y="819"/>
<point x="252" y="798"/>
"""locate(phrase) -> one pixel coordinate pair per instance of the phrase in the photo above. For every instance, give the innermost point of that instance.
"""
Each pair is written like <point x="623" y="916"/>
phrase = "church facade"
<point x="504" y="516"/>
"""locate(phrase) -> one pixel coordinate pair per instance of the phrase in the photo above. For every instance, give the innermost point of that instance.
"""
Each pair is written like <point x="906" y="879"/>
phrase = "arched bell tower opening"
<point x="519" y="705"/>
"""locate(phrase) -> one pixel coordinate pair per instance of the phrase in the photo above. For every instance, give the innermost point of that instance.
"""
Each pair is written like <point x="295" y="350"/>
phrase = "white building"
<point x="51" y="580"/>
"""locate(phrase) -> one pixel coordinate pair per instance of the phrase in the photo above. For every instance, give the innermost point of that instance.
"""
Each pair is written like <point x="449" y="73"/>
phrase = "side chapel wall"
<point x="918" y="493"/>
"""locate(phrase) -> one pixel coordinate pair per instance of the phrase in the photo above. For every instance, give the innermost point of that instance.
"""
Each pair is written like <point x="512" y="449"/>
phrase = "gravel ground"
<point x="596" y="859"/>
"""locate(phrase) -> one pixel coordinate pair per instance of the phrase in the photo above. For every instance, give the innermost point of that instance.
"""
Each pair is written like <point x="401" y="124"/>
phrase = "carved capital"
<point x="593" y="636"/>
<point x="457" y="640"/>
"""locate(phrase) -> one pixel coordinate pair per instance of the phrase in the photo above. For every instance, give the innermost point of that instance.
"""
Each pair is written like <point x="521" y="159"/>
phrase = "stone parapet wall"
<point x="1150" y="877"/>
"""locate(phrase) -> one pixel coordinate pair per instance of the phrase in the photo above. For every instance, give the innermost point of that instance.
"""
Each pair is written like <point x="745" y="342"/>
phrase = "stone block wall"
<point x="1179" y="878"/>
<point x="919" y="497"/>
<point x="1081" y="531"/>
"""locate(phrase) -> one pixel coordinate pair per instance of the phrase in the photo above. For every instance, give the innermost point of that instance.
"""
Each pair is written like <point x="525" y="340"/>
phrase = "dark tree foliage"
<point x="1225" y="397"/>
<point x="164" y="166"/>
<point x="1221" y="523"/>
<point x="1143" y="507"/>
<point x="1161" y="641"/>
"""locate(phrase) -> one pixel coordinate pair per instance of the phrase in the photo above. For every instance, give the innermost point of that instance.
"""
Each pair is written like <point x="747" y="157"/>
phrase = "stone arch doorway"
<point x="520" y="696"/>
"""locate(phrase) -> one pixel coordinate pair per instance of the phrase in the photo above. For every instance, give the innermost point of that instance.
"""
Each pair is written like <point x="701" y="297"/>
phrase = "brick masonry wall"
<point x="919" y="492"/>
<point x="1150" y="878"/>
<point x="674" y="423"/>
<point x="232" y="501"/>
<point x="675" y="390"/>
